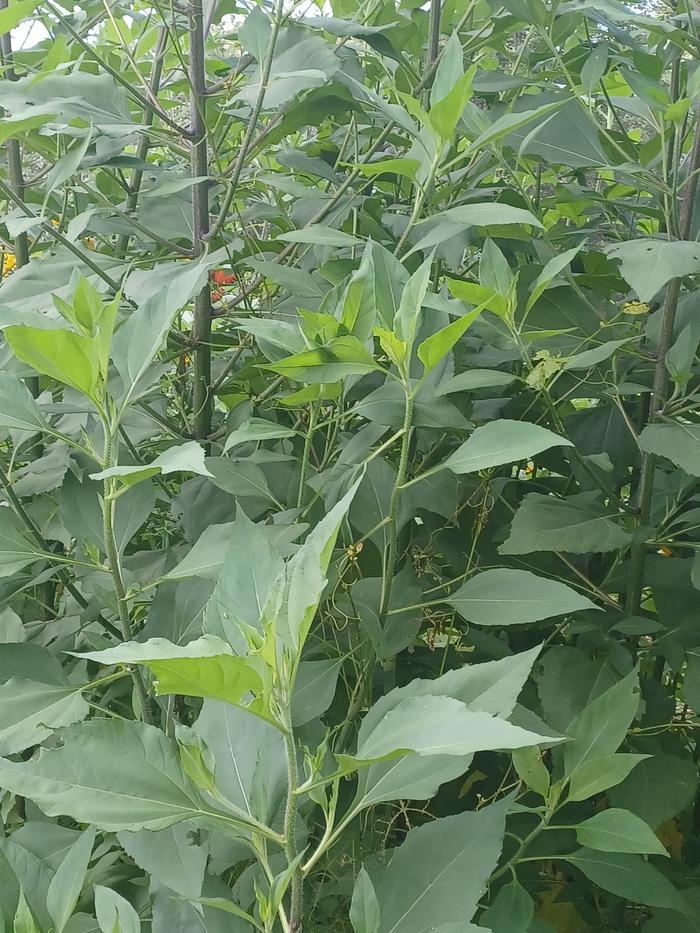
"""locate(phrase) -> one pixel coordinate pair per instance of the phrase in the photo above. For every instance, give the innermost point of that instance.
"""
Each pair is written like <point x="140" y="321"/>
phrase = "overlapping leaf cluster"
<point x="349" y="447"/>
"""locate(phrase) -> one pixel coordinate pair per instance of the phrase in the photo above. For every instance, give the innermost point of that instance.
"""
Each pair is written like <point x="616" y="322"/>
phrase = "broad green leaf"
<point x="406" y="320"/>
<point x="440" y="725"/>
<point x="113" y="773"/>
<point x="405" y="167"/>
<point x="627" y="876"/>
<point x="14" y="13"/>
<point x="495" y="275"/>
<point x="458" y="219"/>
<point x="514" y="597"/>
<point x="438" y="875"/>
<point x="647" y="265"/>
<point x="679" y="443"/>
<point x="18" y="410"/>
<point x="17" y="549"/>
<point x="551" y="270"/>
<point x="60" y="354"/>
<point x="475" y="379"/>
<point x="318" y="235"/>
<point x="250" y="765"/>
<point x="592" y="357"/>
<point x="139" y="339"/>
<point x="206" y="667"/>
<point x="340" y="357"/>
<point x="314" y="689"/>
<point x="186" y="458"/>
<point x="114" y="913"/>
<point x="577" y="525"/>
<point x="510" y="122"/>
<point x="30" y="712"/>
<point x="357" y="309"/>
<point x="14" y="126"/>
<point x="532" y="770"/>
<point x="68" y="881"/>
<point x="660" y="788"/>
<point x="512" y="910"/>
<point x="69" y="163"/>
<point x="251" y="565"/>
<point x="257" y="429"/>
<point x="305" y="576"/>
<point x="602" y="726"/>
<point x="24" y="921"/>
<point x="170" y="856"/>
<point x="436" y="347"/>
<point x="500" y="442"/>
<point x="616" y="830"/>
<point x="445" y="113"/>
<point x="598" y="774"/>
<point x="364" y="907"/>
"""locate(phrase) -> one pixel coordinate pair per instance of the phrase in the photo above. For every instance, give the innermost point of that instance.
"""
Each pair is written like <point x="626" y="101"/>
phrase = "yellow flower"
<point x="8" y="264"/>
<point x="90" y="242"/>
<point x="636" y="307"/>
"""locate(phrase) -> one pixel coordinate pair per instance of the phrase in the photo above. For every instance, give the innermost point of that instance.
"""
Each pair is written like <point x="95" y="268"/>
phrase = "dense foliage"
<point x="349" y="447"/>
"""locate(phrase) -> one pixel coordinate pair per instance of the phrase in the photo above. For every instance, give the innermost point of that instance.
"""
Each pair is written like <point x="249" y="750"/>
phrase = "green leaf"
<point x="512" y="910"/>
<point x="617" y="830"/>
<point x="648" y="264"/>
<point x="364" y="907"/>
<point x="592" y="357"/>
<point x="679" y="443"/>
<point x="206" y="667"/>
<point x="112" y="773"/>
<point x="495" y="274"/>
<point x="67" y="883"/>
<point x="318" y="235"/>
<point x="598" y="774"/>
<point x="305" y="578"/>
<point x="24" y="920"/>
<point x="29" y="712"/>
<point x="602" y="726"/>
<point x="458" y="219"/>
<point x="440" y="725"/>
<point x="18" y="410"/>
<point x="500" y="442"/>
<point x="140" y="338"/>
<point x="314" y="689"/>
<point x="60" y="354"/>
<point x="434" y="348"/>
<point x="628" y="876"/>
<point x="577" y="525"/>
<point x="405" y="167"/>
<point x="114" y="913"/>
<point x="437" y="876"/>
<point x="185" y="458"/>
<point x="551" y="270"/>
<point x="532" y="770"/>
<point x="13" y="14"/>
<point x="445" y="113"/>
<point x="510" y="122"/>
<point x="17" y="550"/>
<point x="339" y="358"/>
<point x="514" y="597"/>
<point x="415" y="290"/>
<point x="257" y="429"/>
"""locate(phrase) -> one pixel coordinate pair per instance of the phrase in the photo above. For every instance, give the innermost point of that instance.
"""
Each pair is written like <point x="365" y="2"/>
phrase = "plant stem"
<point x="14" y="153"/>
<point x="296" y="905"/>
<point x="202" y="399"/>
<point x="306" y="454"/>
<point x="115" y="568"/>
<point x="645" y="490"/>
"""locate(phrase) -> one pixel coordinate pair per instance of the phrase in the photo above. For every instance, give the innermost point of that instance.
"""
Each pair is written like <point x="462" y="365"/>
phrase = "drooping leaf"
<point x="628" y="876"/>
<point x="514" y="597"/>
<point x="500" y="442"/>
<point x="647" y="265"/>
<point x="30" y="712"/>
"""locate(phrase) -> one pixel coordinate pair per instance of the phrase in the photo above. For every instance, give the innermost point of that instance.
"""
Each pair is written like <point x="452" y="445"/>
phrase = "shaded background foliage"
<point x="349" y="437"/>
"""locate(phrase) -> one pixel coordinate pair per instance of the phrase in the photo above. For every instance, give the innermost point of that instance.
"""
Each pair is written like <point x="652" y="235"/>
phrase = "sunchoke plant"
<point x="349" y="458"/>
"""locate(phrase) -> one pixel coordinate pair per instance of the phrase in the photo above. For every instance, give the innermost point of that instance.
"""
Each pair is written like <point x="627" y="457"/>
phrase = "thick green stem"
<point x="296" y="902"/>
<point x="202" y="399"/>
<point x="115" y="568"/>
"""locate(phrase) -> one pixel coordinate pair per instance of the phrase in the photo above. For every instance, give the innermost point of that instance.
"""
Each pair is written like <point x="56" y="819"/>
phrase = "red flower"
<point x="216" y="296"/>
<point x="219" y="277"/>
